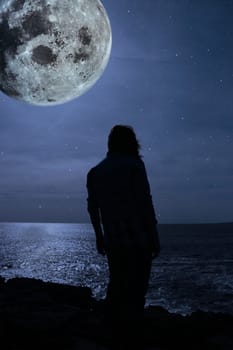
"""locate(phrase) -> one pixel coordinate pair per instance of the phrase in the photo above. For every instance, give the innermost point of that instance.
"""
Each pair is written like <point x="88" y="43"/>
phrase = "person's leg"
<point x="118" y="279"/>
<point x="128" y="283"/>
<point x="117" y="298"/>
<point x="139" y="276"/>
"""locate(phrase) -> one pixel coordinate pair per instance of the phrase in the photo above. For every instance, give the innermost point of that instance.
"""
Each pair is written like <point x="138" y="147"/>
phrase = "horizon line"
<point x="89" y="223"/>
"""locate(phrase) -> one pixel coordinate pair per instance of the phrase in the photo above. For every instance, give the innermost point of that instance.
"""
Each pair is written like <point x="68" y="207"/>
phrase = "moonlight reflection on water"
<point x="194" y="270"/>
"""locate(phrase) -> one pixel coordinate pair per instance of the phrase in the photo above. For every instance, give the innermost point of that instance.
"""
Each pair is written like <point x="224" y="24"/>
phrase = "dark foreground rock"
<point x="40" y="315"/>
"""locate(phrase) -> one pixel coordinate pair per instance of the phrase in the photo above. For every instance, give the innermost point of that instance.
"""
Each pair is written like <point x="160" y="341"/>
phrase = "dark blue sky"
<point x="170" y="76"/>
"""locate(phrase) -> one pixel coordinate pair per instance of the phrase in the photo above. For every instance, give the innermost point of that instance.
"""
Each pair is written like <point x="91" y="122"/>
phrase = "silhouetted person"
<point x="122" y="214"/>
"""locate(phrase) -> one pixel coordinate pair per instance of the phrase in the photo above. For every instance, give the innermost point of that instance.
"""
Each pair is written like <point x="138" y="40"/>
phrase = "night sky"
<point x="170" y="76"/>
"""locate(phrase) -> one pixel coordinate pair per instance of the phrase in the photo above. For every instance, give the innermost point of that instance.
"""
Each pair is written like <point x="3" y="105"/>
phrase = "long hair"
<point x="122" y="139"/>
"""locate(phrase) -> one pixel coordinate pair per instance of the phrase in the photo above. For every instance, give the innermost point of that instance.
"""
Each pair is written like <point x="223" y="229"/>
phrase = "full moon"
<point x="52" y="51"/>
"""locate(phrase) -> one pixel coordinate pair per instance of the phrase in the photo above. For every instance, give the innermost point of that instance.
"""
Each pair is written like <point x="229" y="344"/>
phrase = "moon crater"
<point x="43" y="55"/>
<point x="34" y="24"/>
<point x="84" y="35"/>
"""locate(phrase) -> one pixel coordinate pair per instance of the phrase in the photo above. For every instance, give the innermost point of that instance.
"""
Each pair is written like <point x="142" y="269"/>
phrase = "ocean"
<point x="193" y="272"/>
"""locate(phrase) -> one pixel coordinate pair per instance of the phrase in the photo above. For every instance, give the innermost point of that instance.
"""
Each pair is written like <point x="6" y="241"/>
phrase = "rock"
<point x="36" y="314"/>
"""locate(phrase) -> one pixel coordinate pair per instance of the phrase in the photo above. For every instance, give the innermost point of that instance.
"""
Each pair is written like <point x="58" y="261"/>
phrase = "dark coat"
<point x="119" y="196"/>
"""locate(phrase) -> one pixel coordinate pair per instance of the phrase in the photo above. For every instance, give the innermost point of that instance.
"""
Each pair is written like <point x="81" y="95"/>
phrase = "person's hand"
<point x="100" y="246"/>
<point x="155" y="250"/>
<point x="155" y="242"/>
<point x="155" y="253"/>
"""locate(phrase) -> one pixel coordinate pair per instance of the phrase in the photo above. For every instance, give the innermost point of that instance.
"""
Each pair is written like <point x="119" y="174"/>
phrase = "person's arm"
<point x="94" y="213"/>
<point x="144" y="196"/>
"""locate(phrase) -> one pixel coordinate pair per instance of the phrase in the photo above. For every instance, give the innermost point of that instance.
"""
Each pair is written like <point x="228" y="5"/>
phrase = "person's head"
<point x="122" y="139"/>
